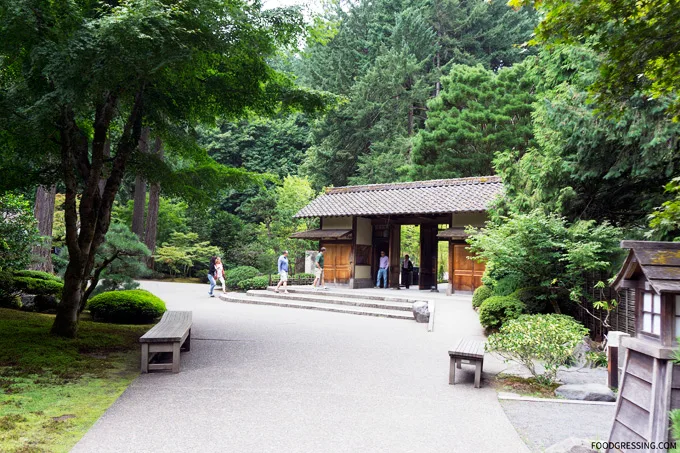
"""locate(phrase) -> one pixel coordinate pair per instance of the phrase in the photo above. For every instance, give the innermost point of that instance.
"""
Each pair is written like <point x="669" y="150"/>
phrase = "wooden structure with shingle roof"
<point x="358" y="222"/>
<point x="650" y="384"/>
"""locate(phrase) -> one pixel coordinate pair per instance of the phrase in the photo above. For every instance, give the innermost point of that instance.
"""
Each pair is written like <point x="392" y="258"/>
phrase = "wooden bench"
<point x="470" y="351"/>
<point x="171" y="334"/>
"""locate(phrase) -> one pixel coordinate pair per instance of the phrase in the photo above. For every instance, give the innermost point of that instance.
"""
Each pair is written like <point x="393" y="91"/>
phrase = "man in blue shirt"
<point x="283" y="272"/>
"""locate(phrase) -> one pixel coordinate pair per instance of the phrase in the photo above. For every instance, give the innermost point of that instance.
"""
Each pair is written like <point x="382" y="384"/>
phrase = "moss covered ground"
<point x="52" y="389"/>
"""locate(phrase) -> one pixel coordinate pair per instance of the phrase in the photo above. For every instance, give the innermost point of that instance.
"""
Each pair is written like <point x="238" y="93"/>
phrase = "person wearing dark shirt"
<point x="407" y="272"/>
<point x="211" y="275"/>
<point x="318" y="278"/>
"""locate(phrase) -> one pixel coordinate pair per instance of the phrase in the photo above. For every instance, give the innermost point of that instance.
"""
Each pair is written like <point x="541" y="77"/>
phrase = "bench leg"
<point x="145" y="357"/>
<point x="452" y="371"/>
<point x="478" y="373"/>
<point x="187" y="342"/>
<point x="459" y="362"/>
<point x="175" y="357"/>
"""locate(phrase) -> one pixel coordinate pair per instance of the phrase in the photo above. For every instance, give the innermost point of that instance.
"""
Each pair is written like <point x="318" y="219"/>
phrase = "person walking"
<point x="407" y="271"/>
<point x="219" y="273"/>
<point x="318" y="278"/>
<point x="211" y="275"/>
<point x="283" y="272"/>
<point x="382" y="271"/>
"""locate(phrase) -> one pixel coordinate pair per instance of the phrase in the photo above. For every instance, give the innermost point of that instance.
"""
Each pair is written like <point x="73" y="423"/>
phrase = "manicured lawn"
<point x="524" y="386"/>
<point x="51" y="389"/>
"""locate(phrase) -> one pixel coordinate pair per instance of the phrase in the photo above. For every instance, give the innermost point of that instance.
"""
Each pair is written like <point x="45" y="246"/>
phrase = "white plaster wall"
<point x="362" y="271"/>
<point x="337" y="223"/>
<point x="364" y="231"/>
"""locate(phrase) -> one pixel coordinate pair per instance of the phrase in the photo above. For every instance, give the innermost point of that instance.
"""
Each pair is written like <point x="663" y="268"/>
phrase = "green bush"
<point x="238" y="274"/>
<point x="548" y="339"/>
<point x="507" y="285"/>
<point x="260" y="282"/>
<point x="496" y="310"/>
<point x="535" y="299"/>
<point x="40" y="275"/>
<point x="9" y="294"/>
<point x="135" y="306"/>
<point x="480" y="295"/>
<point x="37" y="286"/>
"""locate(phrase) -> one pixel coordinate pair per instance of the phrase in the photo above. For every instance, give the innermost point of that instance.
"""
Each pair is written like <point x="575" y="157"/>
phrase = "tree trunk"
<point x="107" y="154"/>
<point x="152" y="214"/>
<point x="44" y="214"/>
<point x="139" y="206"/>
<point x="83" y="167"/>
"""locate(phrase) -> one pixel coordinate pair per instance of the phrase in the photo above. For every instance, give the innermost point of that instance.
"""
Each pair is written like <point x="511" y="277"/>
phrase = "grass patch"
<point x="524" y="386"/>
<point x="53" y="389"/>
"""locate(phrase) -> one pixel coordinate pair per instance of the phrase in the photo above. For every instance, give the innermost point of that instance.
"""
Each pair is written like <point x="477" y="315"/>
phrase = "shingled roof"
<point x="421" y="197"/>
<point x="659" y="262"/>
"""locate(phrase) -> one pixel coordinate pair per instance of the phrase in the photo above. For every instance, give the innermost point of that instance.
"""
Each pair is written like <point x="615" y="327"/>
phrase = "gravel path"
<point x="542" y="425"/>
<point x="270" y="379"/>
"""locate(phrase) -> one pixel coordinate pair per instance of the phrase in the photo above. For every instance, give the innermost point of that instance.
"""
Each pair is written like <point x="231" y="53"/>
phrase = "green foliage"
<point x="38" y="286"/>
<point x="260" y="282"/>
<point x="238" y="274"/>
<point x="543" y="250"/>
<point x="9" y="294"/>
<point x="597" y="358"/>
<point x="37" y="274"/>
<point x="536" y="299"/>
<point x="478" y="113"/>
<point x="664" y="221"/>
<point x="548" y="339"/>
<point x="497" y="310"/>
<point x="18" y="232"/>
<point x="183" y="252"/>
<point x="621" y="32"/>
<point x="480" y="295"/>
<point x="172" y="217"/>
<point x="135" y="306"/>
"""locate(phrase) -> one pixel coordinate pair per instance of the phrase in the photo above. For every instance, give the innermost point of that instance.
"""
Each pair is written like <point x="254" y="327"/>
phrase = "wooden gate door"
<point x="336" y="263"/>
<point x="428" y="256"/>
<point x="467" y="274"/>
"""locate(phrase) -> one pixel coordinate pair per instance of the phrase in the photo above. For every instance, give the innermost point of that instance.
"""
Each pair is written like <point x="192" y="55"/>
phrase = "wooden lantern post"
<point x="650" y="384"/>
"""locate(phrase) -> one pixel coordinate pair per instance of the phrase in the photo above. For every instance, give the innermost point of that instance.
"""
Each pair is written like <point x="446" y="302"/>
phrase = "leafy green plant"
<point x="497" y="310"/>
<point x="549" y="339"/>
<point x="480" y="295"/>
<point x="260" y="282"/>
<point x="535" y="299"/>
<point x="238" y="274"/>
<point x="596" y="358"/>
<point x="37" y="274"/>
<point x="135" y="306"/>
<point x="183" y="252"/>
<point x="38" y="286"/>
<point x="18" y="232"/>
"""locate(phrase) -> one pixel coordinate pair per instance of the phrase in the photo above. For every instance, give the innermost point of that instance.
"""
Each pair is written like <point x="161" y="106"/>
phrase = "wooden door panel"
<point x="467" y="274"/>
<point x="336" y="264"/>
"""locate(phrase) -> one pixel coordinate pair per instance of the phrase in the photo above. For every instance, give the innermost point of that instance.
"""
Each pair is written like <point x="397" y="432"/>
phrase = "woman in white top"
<point x="219" y="273"/>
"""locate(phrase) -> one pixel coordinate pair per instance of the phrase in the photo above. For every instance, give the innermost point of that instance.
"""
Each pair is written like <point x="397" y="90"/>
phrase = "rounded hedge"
<point x="496" y="310"/>
<point x="38" y="286"/>
<point x="238" y="274"/>
<point x="40" y="275"/>
<point x="480" y="295"/>
<point x="260" y="282"/>
<point x="136" y="306"/>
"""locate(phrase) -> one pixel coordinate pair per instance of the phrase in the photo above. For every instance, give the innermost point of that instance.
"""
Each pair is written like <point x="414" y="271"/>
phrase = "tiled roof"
<point x="658" y="262"/>
<point x="453" y="233"/>
<point x="322" y="234"/>
<point x="420" y="197"/>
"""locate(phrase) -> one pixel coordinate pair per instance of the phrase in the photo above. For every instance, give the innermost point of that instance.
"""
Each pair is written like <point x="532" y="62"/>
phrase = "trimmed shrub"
<point x="497" y="310"/>
<point x="260" y="282"/>
<point x="238" y="274"/>
<point x="9" y="293"/>
<point x="507" y="285"/>
<point x="548" y="339"/>
<point x="480" y="295"/>
<point x="135" y="306"/>
<point x="38" y="286"/>
<point x="535" y="299"/>
<point x="40" y="275"/>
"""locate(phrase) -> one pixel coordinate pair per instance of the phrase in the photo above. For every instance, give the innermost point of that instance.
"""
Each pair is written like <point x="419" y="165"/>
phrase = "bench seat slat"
<point x="172" y="327"/>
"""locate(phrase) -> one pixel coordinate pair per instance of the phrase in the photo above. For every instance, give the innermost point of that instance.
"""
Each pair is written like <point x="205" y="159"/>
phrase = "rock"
<point x="580" y="359"/>
<point x="572" y="445"/>
<point x="585" y="392"/>
<point x="28" y="302"/>
<point x="46" y="303"/>
<point x="421" y="312"/>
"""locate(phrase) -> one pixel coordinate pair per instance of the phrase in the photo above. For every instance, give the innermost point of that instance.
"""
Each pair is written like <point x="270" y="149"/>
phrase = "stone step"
<point x="365" y="311"/>
<point x="353" y="293"/>
<point x="331" y="298"/>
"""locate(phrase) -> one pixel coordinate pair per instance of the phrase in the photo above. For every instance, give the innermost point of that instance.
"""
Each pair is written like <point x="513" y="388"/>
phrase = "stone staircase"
<point x="353" y="302"/>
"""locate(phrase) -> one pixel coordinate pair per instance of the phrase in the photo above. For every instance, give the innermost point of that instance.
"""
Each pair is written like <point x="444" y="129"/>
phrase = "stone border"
<point x="430" y="322"/>
<point x="508" y="396"/>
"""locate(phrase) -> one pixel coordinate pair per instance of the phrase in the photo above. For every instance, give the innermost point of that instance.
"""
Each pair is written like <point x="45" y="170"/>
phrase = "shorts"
<point x="284" y="276"/>
<point x="318" y="273"/>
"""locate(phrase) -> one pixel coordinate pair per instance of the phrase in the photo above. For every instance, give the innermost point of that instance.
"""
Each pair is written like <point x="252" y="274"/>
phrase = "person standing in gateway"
<point x="382" y="272"/>
<point x="319" y="270"/>
<point x="283" y="272"/>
